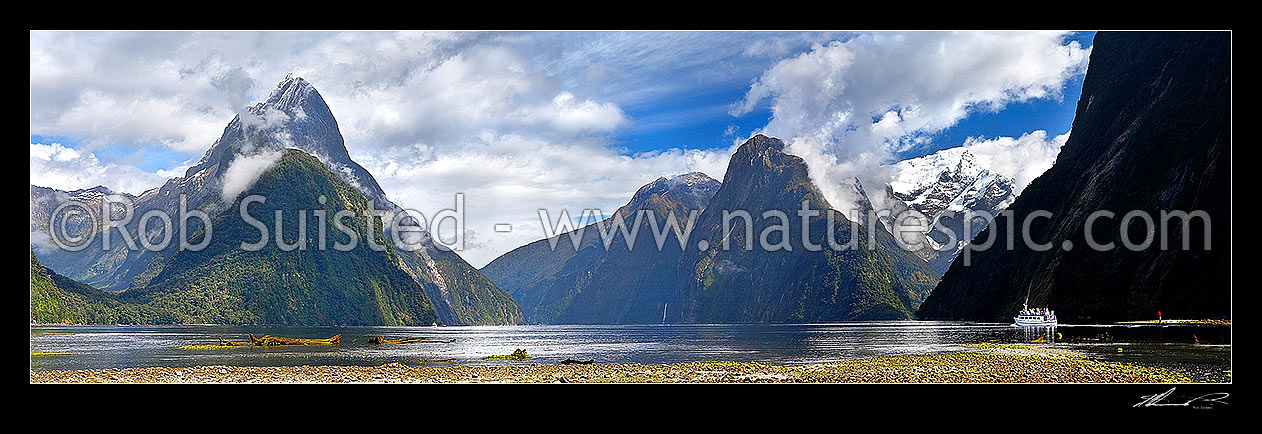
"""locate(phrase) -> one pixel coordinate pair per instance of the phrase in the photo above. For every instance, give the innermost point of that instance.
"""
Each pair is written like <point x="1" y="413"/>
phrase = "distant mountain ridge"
<point x="710" y="285"/>
<point x="943" y="186"/>
<point x="594" y="285"/>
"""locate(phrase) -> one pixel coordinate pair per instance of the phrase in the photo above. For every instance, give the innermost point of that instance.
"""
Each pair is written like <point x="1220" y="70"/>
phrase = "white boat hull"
<point x="1033" y="322"/>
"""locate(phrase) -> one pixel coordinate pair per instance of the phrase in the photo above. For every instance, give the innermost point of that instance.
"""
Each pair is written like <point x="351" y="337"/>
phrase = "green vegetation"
<point x="520" y="354"/>
<point x="225" y="284"/>
<point x="205" y="347"/>
<point x="470" y="297"/>
<point x="56" y="299"/>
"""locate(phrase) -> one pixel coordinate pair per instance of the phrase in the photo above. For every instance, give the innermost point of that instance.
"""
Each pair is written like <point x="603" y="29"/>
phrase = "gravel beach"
<point x="981" y="364"/>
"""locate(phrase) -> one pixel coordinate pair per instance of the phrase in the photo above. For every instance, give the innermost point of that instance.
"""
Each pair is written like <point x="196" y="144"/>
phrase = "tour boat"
<point x="1037" y="317"/>
<point x="1034" y="317"/>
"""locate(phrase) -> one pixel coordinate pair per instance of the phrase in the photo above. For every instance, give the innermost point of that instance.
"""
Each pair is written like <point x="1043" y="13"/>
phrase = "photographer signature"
<point x="1204" y="401"/>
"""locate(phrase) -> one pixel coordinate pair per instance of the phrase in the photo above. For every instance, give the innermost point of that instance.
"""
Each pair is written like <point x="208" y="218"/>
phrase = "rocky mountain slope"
<point x="1152" y="133"/>
<point x="943" y="186"/>
<point x="875" y="280"/>
<point x="593" y="284"/>
<point x="702" y="282"/>
<point x="294" y="116"/>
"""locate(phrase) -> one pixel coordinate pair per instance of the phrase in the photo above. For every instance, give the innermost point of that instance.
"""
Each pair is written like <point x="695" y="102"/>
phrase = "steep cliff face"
<point x="1152" y="133"/>
<point x="769" y="272"/>
<point x="772" y="283"/>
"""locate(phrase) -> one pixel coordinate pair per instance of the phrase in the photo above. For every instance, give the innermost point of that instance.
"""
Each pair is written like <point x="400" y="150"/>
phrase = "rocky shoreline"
<point x="1006" y="364"/>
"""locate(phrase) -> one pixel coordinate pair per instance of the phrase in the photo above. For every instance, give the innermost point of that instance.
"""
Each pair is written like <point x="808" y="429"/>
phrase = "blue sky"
<point x="1051" y="115"/>
<point x="525" y="120"/>
<point x="685" y="118"/>
<point x="698" y="119"/>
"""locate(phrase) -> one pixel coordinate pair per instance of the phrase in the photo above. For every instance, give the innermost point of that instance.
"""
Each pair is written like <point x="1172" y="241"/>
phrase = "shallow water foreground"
<point x="1199" y="353"/>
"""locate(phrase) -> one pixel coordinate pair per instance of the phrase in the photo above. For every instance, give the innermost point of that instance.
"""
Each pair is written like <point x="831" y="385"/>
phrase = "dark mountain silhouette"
<point x="1152" y="133"/>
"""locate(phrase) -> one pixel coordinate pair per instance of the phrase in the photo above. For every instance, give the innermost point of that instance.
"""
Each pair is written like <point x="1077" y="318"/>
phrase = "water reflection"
<point x="1204" y="349"/>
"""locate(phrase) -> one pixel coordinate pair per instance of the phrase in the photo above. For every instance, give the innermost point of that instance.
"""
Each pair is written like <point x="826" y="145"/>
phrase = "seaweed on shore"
<point x="265" y="341"/>
<point x="520" y="354"/>
<point x="383" y="340"/>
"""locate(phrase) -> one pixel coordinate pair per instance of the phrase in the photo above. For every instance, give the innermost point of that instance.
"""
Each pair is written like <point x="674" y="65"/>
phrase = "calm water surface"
<point x="1201" y="352"/>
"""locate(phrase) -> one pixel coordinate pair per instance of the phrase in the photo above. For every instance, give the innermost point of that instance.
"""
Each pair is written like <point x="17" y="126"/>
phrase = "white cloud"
<point x="270" y="118"/>
<point x="244" y="170"/>
<point x="482" y="90"/>
<point x="237" y="84"/>
<point x="136" y="119"/>
<point x="520" y="121"/>
<point x="847" y="106"/>
<point x="1023" y="158"/>
<point x="575" y="117"/>
<point x="517" y="121"/>
<point x="387" y="89"/>
<point x="507" y="179"/>
<point x="57" y="166"/>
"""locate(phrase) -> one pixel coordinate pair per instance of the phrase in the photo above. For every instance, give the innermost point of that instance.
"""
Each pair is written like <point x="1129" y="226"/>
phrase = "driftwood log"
<point x="271" y="341"/>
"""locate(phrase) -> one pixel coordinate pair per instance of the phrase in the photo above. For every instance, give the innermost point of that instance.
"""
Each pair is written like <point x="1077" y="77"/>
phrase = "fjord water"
<point x="1200" y="352"/>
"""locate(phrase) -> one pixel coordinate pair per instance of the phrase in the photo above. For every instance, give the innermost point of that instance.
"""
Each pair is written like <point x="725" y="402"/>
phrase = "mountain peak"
<point x="967" y="155"/>
<point x="761" y="142"/>
<point x="100" y="189"/>
<point x="693" y="179"/>
<point x="968" y="165"/>
<point x="693" y="190"/>
<point x="293" y="116"/>
<point x="294" y="96"/>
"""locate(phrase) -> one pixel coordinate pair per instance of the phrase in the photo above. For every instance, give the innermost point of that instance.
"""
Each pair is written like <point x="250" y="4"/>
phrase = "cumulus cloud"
<point x="482" y="90"/>
<point x="237" y="84"/>
<point x="522" y="121"/>
<point x="517" y="121"/>
<point x="105" y="118"/>
<point x="1023" y="158"/>
<point x="57" y="166"/>
<point x="387" y="89"/>
<point x="507" y="179"/>
<point x="847" y="106"/>
<point x="244" y="170"/>
<point x="269" y="119"/>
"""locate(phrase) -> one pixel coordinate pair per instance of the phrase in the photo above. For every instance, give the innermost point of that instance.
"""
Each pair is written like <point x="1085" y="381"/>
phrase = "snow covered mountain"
<point x="943" y="186"/>
<point x="692" y="190"/>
